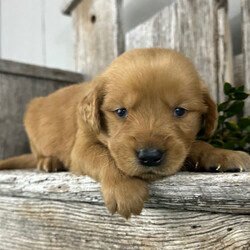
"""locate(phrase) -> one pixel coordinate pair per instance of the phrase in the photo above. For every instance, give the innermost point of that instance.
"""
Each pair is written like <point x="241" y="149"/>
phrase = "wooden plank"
<point x="62" y="211"/>
<point x="69" y="6"/>
<point x="19" y="83"/>
<point x="45" y="224"/>
<point x="15" y="94"/>
<point x="224" y="192"/>
<point x="238" y="70"/>
<point x="98" y="35"/>
<point x="190" y="27"/>
<point x="28" y="70"/>
<point x="245" y="10"/>
<point x="224" y="52"/>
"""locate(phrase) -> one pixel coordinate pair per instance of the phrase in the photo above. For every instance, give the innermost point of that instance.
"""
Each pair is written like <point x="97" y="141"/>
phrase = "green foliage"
<point x="229" y="134"/>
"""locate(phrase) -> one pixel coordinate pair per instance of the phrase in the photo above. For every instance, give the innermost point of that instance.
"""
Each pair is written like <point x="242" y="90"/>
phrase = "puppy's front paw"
<point x="49" y="164"/>
<point x="125" y="195"/>
<point x="222" y="160"/>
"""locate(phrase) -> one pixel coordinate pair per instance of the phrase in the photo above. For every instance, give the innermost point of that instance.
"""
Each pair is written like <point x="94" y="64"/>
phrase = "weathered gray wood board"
<point x="62" y="211"/>
<point x="224" y="52"/>
<point x="238" y="70"/>
<point x="226" y="193"/>
<point x="245" y="9"/>
<point x="191" y="27"/>
<point x="19" y="83"/>
<point x="98" y="35"/>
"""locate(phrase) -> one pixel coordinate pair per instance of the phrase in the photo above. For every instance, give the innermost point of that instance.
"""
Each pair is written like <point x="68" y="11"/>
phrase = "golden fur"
<point x="76" y="127"/>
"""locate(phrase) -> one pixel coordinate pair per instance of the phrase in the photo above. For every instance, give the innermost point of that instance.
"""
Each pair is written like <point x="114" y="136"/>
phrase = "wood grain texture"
<point x="98" y="35"/>
<point x="238" y="70"/>
<point x="224" y="51"/>
<point x="225" y="193"/>
<point x="28" y="70"/>
<point x="192" y="28"/>
<point x="62" y="211"/>
<point x="19" y="83"/>
<point x="245" y="9"/>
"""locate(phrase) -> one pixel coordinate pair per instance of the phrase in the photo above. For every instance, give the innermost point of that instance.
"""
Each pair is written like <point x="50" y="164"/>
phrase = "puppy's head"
<point x="149" y="105"/>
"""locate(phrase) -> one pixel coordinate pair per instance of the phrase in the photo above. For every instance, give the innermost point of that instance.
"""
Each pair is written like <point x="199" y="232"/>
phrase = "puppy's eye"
<point x="178" y="112"/>
<point x="121" y="112"/>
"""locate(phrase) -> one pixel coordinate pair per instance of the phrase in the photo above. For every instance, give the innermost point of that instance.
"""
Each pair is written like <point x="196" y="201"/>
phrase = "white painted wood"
<point x="62" y="211"/>
<point x="190" y="27"/>
<point x="36" y="32"/>
<point x="59" y="50"/>
<point x="21" y="36"/>
<point x="245" y="8"/>
<point x="98" y="35"/>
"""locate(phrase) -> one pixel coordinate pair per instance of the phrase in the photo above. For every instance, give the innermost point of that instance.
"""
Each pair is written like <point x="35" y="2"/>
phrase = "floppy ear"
<point x="211" y="115"/>
<point x="89" y="107"/>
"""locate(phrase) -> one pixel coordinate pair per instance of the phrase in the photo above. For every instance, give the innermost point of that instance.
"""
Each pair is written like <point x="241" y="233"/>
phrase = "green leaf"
<point x="221" y="119"/>
<point x="244" y="122"/>
<point x="240" y="95"/>
<point x="230" y="114"/>
<point x="223" y="106"/>
<point x="227" y="88"/>
<point x="236" y="107"/>
<point x="229" y="145"/>
<point x="248" y="138"/>
<point x="231" y="126"/>
<point x="241" y="88"/>
<point x="217" y="142"/>
<point x="247" y="129"/>
<point x="243" y="142"/>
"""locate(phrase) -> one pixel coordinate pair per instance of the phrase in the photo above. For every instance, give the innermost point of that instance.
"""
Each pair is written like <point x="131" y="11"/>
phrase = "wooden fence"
<point x="199" y="29"/>
<point x="19" y="83"/>
<point x="185" y="211"/>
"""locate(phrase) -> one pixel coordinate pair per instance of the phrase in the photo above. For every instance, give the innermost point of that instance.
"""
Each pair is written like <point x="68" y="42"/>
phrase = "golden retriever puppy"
<point x="136" y="122"/>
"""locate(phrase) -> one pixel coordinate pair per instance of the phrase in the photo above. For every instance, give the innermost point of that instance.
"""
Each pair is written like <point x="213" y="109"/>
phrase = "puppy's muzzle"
<point x="150" y="157"/>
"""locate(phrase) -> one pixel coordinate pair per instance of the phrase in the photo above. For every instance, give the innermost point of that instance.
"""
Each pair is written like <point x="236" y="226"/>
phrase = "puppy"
<point x="136" y="122"/>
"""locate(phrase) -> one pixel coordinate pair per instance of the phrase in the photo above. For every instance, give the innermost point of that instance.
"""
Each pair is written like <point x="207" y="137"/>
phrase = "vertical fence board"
<point x="224" y="50"/>
<point x="98" y="35"/>
<point x="190" y="27"/>
<point x="245" y="8"/>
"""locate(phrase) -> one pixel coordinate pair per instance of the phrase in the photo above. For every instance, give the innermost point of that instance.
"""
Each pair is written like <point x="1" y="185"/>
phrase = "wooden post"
<point x="99" y="37"/>
<point x="191" y="27"/>
<point x="63" y="211"/>
<point x="245" y="9"/>
<point x="19" y="83"/>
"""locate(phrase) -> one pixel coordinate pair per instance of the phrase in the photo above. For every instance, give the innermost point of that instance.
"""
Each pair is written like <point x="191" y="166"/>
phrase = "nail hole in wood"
<point x="93" y="19"/>
<point x="195" y="226"/>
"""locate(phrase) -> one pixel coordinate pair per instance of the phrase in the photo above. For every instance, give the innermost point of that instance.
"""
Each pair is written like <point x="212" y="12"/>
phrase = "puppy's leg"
<point x="122" y="193"/>
<point x="203" y="156"/>
<point x="46" y="163"/>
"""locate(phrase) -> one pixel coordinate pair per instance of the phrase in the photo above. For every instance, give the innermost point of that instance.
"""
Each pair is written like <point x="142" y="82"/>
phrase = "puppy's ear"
<point x="89" y="107"/>
<point x="211" y="115"/>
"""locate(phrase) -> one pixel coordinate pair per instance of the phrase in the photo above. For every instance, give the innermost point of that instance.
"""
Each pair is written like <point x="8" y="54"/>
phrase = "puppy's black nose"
<point x="150" y="157"/>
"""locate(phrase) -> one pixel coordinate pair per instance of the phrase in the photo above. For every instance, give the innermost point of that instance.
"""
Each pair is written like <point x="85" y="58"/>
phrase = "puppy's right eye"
<point x="121" y="112"/>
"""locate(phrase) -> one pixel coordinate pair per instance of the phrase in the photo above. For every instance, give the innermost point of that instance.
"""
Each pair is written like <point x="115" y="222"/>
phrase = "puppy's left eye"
<point x="178" y="112"/>
<point x="122" y="112"/>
